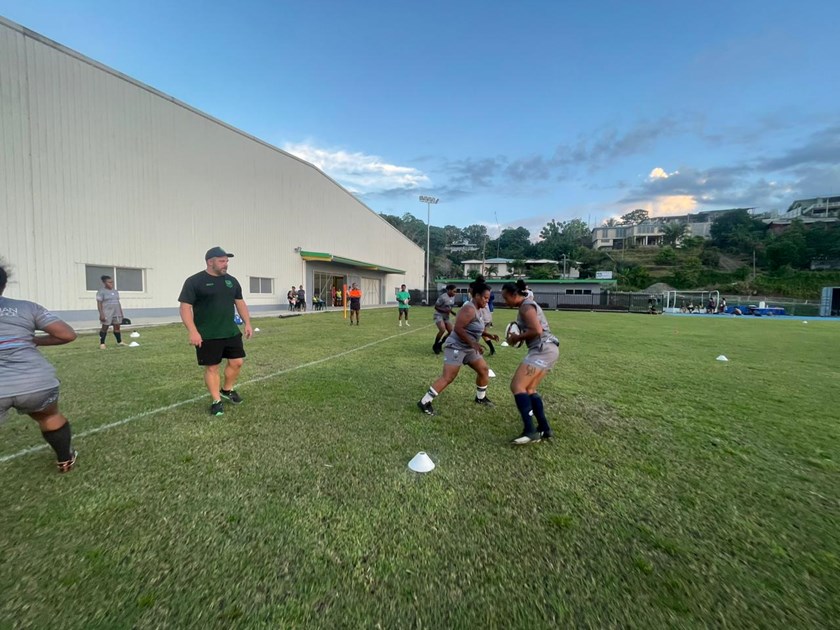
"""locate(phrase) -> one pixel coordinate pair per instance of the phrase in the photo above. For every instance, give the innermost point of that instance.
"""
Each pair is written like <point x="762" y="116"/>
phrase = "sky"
<point x="510" y="113"/>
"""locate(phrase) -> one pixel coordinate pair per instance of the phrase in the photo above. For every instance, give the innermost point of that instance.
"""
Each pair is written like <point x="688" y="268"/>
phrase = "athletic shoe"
<point x="67" y="466"/>
<point x="232" y="396"/>
<point x="122" y="343"/>
<point x="407" y="324"/>
<point x="217" y="409"/>
<point x="436" y="347"/>
<point x="547" y="434"/>
<point x="426" y="408"/>
<point x="484" y="402"/>
<point x="102" y="346"/>
<point x="527" y="438"/>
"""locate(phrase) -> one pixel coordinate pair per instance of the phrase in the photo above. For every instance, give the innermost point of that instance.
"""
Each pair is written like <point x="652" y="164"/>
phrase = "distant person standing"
<point x="301" y="299"/>
<point x="355" y="296"/>
<point x="208" y="300"/>
<point x="110" y="311"/>
<point x="291" y="296"/>
<point x="443" y="308"/>
<point x="403" y="299"/>
<point x="27" y="380"/>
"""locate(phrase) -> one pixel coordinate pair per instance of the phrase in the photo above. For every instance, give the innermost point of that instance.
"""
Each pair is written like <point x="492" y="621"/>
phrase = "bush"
<point x="666" y="256"/>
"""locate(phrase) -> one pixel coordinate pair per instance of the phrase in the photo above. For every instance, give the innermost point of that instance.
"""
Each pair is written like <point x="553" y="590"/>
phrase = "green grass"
<point x="680" y="491"/>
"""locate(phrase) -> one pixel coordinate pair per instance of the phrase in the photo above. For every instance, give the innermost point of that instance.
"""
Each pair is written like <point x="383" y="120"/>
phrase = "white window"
<point x="262" y="285"/>
<point x="125" y="278"/>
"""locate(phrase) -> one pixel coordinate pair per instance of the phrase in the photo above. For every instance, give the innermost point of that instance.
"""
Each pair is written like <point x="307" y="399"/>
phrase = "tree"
<point x="633" y="277"/>
<point x="673" y="232"/>
<point x="687" y="275"/>
<point x="514" y="242"/>
<point x="517" y="266"/>
<point x="634" y="218"/>
<point x="475" y="234"/>
<point x="544" y="272"/>
<point x="611" y="222"/>
<point x="492" y="270"/>
<point x="666" y="256"/>
<point x="737" y="231"/>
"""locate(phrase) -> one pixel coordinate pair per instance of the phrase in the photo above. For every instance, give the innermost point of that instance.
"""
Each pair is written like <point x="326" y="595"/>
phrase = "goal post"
<point x="688" y="301"/>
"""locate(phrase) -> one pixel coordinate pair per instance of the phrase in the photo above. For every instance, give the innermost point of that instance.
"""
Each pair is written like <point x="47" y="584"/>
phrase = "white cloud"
<point x="360" y="173"/>
<point x="660" y="173"/>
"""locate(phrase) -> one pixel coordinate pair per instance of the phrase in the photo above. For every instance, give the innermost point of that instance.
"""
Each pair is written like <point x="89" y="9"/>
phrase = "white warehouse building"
<point x="100" y="173"/>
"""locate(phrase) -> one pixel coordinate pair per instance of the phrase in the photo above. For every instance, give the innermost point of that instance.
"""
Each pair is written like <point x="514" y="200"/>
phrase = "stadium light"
<point x="428" y="201"/>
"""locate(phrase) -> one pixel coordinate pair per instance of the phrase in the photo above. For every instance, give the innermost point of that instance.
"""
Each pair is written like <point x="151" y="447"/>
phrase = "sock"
<point x="118" y="335"/>
<point x="226" y="391"/>
<point x="60" y="442"/>
<point x="539" y="412"/>
<point x="523" y="403"/>
<point x="400" y="323"/>
<point x="490" y="345"/>
<point x="102" y="335"/>
<point x="480" y="392"/>
<point x="430" y="396"/>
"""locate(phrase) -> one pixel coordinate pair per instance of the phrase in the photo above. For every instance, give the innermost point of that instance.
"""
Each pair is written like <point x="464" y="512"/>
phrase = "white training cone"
<point x="722" y="358"/>
<point x="421" y="463"/>
<point x="256" y="330"/>
<point x="491" y="373"/>
<point x="134" y="335"/>
<point x="805" y="322"/>
<point x="133" y="344"/>
<point x="504" y="344"/>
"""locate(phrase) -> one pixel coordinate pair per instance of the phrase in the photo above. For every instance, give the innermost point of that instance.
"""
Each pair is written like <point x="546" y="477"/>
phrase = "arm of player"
<point x="189" y="323"/>
<point x="242" y="309"/>
<point x="58" y="333"/>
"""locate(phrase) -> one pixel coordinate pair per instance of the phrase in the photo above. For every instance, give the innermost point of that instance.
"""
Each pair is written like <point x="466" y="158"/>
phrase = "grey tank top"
<point x="546" y="336"/>
<point x="474" y="329"/>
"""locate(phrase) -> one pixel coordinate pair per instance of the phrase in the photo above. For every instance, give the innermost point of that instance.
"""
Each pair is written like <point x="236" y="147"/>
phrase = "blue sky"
<point x="512" y="113"/>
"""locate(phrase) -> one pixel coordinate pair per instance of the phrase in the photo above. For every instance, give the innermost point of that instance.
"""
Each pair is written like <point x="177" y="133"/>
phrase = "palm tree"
<point x="492" y="270"/>
<point x="673" y="232"/>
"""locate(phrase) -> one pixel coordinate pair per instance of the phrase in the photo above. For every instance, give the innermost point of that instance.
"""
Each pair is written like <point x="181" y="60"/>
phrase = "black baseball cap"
<point x="216" y="252"/>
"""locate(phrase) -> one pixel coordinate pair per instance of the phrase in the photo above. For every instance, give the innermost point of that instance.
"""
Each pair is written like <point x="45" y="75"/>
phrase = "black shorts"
<point x="212" y="351"/>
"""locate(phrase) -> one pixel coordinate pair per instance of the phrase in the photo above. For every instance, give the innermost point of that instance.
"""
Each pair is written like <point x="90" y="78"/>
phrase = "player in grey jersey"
<point x="543" y="351"/>
<point x="110" y="311"/>
<point x="443" y="308"/>
<point x="462" y="347"/>
<point x="27" y="380"/>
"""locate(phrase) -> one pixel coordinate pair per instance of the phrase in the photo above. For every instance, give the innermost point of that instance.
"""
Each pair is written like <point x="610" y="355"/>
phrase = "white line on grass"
<point x="111" y="425"/>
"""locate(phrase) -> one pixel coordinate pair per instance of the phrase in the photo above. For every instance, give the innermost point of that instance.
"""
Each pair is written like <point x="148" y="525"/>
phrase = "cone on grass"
<point x="134" y="335"/>
<point x="421" y="463"/>
<point x="133" y="344"/>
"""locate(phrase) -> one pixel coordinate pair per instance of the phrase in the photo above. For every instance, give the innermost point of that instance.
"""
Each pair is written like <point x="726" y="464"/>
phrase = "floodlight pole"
<point x="428" y="201"/>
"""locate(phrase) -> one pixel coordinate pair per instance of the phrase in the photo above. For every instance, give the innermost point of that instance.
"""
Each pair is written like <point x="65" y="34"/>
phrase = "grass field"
<point x="680" y="491"/>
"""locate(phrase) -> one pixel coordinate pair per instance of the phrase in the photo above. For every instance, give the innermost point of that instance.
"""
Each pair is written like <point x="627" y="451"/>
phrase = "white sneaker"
<point x="408" y="325"/>
<point x="527" y="438"/>
<point x="102" y="346"/>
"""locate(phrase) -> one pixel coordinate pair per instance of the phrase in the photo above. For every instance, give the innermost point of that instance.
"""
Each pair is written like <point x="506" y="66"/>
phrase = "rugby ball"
<point x="513" y="329"/>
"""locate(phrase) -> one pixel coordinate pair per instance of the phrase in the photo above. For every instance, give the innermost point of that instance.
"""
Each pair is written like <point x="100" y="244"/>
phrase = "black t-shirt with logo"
<point x="212" y="301"/>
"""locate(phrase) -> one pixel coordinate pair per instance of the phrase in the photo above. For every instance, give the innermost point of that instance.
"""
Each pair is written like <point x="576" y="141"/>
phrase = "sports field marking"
<point x="111" y="425"/>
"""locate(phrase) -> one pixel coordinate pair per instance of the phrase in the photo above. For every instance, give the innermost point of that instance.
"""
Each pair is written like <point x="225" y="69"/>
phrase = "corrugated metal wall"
<point x="96" y="168"/>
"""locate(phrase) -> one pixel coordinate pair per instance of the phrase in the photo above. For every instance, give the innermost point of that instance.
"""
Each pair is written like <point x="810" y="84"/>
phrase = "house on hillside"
<point x="504" y="267"/>
<point x="650" y="233"/>
<point x="811" y="212"/>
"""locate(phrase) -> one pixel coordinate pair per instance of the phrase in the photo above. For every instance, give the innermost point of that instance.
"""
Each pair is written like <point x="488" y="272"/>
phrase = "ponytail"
<point x="517" y="288"/>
